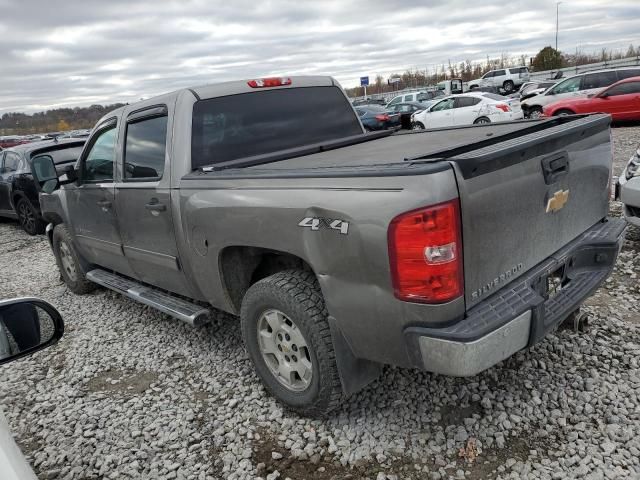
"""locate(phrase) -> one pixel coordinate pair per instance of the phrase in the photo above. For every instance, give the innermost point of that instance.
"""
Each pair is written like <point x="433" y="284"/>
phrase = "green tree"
<point x="631" y="52"/>
<point x="547" y="59"/>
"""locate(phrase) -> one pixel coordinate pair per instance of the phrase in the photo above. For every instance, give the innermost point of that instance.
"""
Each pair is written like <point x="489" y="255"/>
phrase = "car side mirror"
<point x="603" y="95"/>
<point x="44" y="172"/>
<point x="27" y="325"/>
<point x="70" y="173"/>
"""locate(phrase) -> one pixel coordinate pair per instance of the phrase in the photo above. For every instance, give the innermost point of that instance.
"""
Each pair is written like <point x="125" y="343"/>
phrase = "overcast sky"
<point x="79" y="52"/>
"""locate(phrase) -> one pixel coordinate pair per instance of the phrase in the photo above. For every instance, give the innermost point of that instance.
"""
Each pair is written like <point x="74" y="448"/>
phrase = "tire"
<point x="291" y="301"/>
<point x="481" y="121"/>
<point x="508" y="86"/>
<point x="473" y="87"/>
<point x="534" y="112"/>
<point x="418" y="126"/>
<point x="563" y="112"/>
<point x="29" y="218"/>
<point x="68" y="262"/>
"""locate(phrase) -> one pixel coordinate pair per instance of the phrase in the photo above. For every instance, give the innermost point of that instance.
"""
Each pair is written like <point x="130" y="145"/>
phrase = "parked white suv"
<point x="508" y="79"/>
<point x="577" y="86"/>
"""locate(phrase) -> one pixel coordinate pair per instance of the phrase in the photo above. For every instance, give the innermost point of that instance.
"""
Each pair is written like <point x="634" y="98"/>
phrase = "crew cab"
<point x="447" y="250"/>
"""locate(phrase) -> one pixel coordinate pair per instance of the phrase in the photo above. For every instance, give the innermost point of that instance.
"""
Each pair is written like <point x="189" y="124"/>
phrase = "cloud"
<point x="81" y="52"/>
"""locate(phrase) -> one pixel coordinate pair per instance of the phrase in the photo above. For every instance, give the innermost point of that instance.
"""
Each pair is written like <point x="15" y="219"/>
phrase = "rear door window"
<point x="145" y="149"/>
<point x="499" y="73"/>
<point x="258" y="123"/>
<point x="598" y="80"/>
<point x="633" y="72"/>
<point x="462" y="102"/>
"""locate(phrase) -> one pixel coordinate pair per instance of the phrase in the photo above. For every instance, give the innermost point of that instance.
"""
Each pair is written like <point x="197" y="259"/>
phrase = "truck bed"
<point x="398" y="147"/>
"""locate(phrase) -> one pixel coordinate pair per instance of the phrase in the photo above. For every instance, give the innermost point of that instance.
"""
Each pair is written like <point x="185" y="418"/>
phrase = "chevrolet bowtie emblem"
<point x="557" y="201"/>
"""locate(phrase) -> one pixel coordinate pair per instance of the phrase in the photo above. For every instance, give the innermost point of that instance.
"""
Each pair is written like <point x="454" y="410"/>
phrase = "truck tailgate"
<point x="525" y="198"/>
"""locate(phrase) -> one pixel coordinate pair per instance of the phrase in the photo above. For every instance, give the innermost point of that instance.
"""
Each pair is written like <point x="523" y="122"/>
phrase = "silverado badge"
<point x="557" y="201"/>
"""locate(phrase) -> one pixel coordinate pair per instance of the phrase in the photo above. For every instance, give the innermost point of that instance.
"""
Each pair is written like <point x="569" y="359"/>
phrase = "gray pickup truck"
<point x="446" y="250"/>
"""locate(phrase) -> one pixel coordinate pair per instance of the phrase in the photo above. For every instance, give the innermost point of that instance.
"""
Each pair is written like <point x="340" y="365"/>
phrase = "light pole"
<point x="557" y="11"/>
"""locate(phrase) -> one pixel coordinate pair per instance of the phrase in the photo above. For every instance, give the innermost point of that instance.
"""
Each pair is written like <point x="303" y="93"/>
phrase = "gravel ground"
<point x="129" y="393"/>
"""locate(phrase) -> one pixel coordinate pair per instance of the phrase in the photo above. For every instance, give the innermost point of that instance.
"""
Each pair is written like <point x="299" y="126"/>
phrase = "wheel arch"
<point x="242" y="266"/>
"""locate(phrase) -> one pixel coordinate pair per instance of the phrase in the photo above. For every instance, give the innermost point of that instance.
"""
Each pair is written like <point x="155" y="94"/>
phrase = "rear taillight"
<point x="425" y="254"/>
<point x="383" y="117"/>
<point x="502" y="106"/>
<point x="269" y="82"/>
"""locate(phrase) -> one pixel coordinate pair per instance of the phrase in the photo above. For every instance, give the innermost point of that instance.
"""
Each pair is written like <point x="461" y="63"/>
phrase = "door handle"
<point x="156" y="207"/>
<point x="104" y="204"/>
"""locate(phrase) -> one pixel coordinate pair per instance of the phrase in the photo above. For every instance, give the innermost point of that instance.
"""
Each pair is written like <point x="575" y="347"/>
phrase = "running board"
<point x="191" y="313"/>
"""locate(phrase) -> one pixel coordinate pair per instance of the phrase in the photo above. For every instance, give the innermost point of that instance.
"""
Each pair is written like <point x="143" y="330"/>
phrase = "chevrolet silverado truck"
<point x="340" y="251"/>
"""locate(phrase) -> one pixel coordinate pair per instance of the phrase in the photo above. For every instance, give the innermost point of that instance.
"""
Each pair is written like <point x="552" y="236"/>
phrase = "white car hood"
<point x="13" y="465"/>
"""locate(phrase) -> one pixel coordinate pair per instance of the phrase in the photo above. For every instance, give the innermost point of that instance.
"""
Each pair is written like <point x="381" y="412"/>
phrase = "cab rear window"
<point x="250" y="124"/>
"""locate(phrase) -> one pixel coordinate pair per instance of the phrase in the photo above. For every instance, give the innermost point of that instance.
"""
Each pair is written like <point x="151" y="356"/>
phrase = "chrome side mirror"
<point x="27" y="325"/>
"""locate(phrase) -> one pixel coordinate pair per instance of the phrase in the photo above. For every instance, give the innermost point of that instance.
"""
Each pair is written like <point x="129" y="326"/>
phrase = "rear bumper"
<point x="523" y="312"/>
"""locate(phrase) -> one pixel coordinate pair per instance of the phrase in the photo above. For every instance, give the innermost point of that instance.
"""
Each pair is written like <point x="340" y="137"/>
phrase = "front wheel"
<point x="69" y="263"/>
<point x="535" y="112"/>
<point x="286" y="333"/>
<point x="481" y="121"/>
<point x="418" y="126"/>
<point x="563" y="113"/>
<point x="29" y="218"/>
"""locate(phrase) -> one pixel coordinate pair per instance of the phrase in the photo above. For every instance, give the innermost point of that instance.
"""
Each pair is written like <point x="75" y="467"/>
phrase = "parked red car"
<point x="621" y="100"/>
<point x="12" y="141"/>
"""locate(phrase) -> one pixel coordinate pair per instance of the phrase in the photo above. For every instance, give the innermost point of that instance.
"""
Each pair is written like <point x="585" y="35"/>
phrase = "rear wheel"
<point x="481" y="121"/>
<point x="418" y="126"/>
<point x="69" y="263"/>
<point x="287" y="335"/>
<point x="508" y="86"/>
<point x="29" y="218"/>
<point x="564" y="112"/>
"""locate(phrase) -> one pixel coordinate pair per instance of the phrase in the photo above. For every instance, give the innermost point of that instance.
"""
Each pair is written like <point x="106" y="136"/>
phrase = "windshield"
<point x="258" y="123"/>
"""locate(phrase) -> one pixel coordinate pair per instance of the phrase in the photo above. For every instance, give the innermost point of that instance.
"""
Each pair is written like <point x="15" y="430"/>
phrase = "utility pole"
<point x="557" y="11"/>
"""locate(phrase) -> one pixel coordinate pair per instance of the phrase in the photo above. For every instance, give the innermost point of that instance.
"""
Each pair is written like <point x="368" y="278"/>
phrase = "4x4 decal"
<point x="316" y="223"/>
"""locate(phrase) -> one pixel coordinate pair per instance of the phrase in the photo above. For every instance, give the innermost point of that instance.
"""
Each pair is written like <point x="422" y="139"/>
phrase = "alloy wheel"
<point x="285" y="350"/>
<point x="27" y="217"/>
<point x="66" y="259"/>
